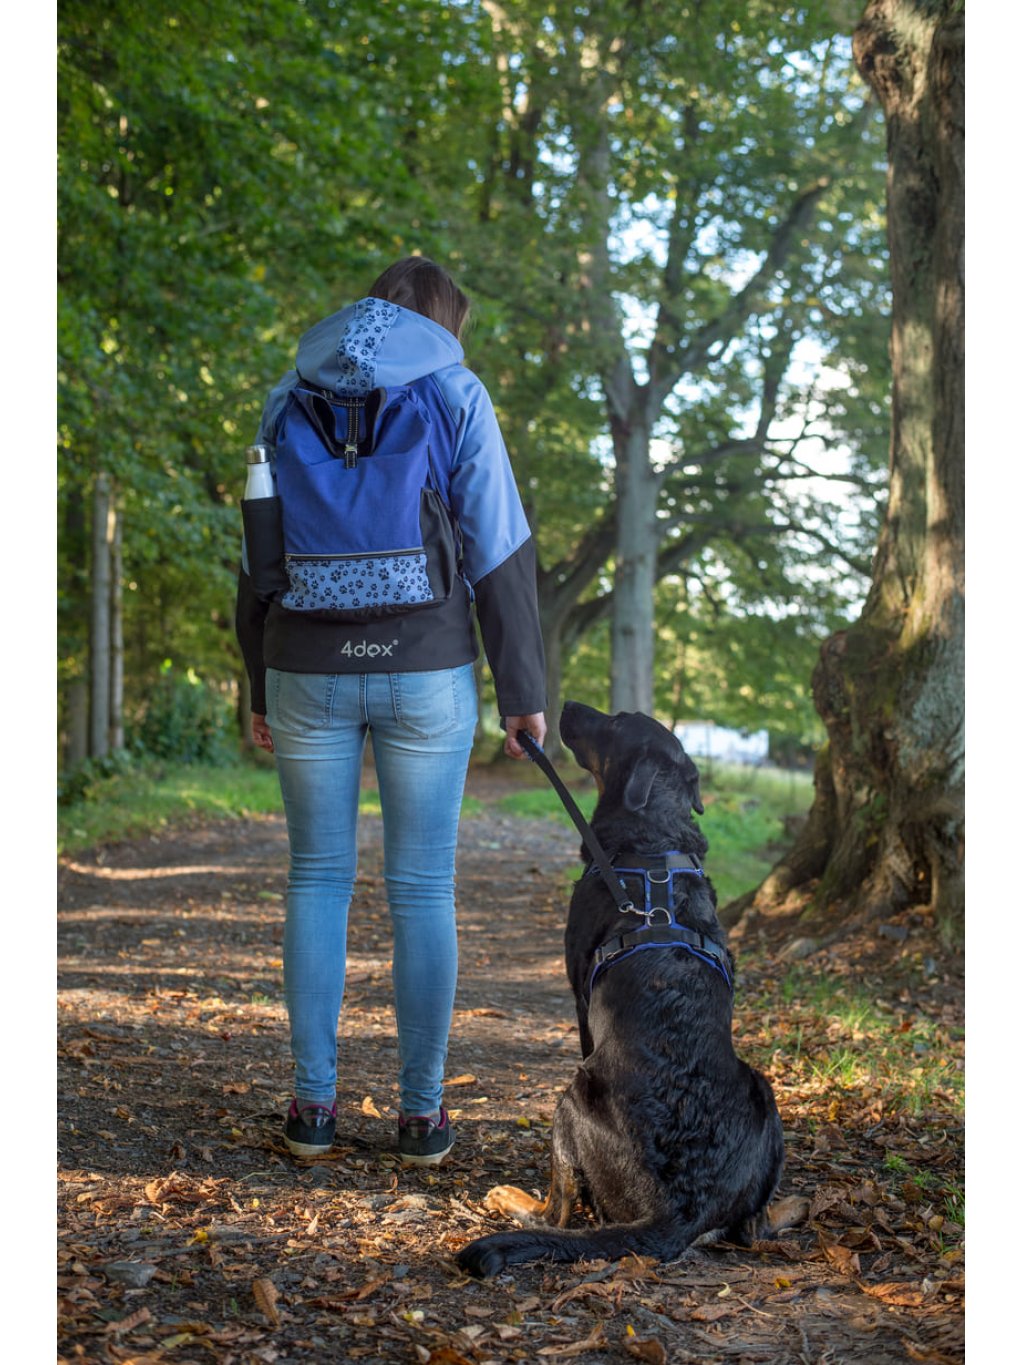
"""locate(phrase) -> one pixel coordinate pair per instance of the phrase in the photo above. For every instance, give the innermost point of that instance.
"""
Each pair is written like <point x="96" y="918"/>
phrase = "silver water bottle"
<point x="259" y="481"/>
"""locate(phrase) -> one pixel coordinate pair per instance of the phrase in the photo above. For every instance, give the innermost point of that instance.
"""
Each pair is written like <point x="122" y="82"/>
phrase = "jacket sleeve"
<point x="250" y="616"/>
<point x="499" y="559"/>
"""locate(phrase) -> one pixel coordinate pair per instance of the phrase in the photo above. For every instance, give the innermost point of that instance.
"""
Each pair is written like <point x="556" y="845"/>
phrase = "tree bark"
<point x="116" y="631"/>
<point x="77" y="724"/>
<point x="99" y="640"/>
<point x="887" y="824"/>
<point x="636" y="557"/>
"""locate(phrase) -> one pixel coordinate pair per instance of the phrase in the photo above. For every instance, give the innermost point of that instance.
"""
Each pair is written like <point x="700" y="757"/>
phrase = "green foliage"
<point x="83" y="782"/>
<point x="146" y="797"/>
<point x="186" y="721"/>
<point x="230" y="173"/>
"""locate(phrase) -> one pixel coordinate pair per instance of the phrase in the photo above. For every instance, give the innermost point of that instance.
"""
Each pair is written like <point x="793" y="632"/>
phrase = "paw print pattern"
<point x="357" y="584"/>
<point x="362" y="339"/>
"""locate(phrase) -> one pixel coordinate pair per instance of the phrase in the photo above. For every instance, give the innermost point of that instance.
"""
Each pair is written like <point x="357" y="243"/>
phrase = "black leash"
<point x="601" y="860"/>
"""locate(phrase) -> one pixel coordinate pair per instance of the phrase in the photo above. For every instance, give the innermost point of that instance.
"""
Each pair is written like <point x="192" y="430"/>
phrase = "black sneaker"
<point x="309" y="1131"/>
<point x="424" y="1142"/>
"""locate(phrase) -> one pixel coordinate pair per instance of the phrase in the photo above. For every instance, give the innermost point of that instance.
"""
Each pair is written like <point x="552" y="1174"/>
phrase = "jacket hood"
<point x="373" y="344"/>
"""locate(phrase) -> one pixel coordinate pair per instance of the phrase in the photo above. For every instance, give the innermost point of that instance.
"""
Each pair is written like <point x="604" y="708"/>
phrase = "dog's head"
<point x="628" y="754"/>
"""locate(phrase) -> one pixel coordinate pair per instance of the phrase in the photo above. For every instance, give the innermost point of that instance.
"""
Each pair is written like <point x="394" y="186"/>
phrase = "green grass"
<point x="834" y="1039"/>
<point x="743" y="816"/>
<point x="742" y="820"/>
<point x="149" y="797"/>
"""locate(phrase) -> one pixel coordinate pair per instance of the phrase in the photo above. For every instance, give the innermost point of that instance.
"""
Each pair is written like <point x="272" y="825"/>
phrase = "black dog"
<point x="664" y="1133"/>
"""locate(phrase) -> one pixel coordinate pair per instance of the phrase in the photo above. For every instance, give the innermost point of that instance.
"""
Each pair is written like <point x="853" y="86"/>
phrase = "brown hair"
<point x="426" y="288"/>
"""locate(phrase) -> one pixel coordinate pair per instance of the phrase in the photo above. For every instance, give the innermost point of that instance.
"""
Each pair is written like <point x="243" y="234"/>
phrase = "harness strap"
<point x="659" y="936"/>
<point x="601" y="860"/>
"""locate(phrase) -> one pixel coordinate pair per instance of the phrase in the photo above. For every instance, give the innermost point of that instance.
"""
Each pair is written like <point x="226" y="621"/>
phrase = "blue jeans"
<point x="422" y="726"/>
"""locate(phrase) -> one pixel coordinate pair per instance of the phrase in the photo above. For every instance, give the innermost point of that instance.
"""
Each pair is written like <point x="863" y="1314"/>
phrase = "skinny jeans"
<point x="422" y="727"/>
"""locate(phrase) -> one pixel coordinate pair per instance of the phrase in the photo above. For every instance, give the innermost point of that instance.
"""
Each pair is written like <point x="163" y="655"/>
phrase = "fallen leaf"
<point x="370" y="1109"/>
<point x="580" y="1291"/>
<point x="467" y="1079"/>
<point x="133" y="1320"/>
<point x="826" y="1198"/>
<point x="264" y="1291"/>
<point x="646" y="1348"/>
<point x="711" y="1312"/>
<point x="841" y="1257"/>
<point x="788" y="1212"/>
<point x="593" y="1342"/>
<point x="926" y="1353"/>
<point x="896" y="1293"/>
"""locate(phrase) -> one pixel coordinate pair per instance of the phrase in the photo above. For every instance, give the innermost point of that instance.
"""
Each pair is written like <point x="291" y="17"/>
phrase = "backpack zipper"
<point x="352" y="439"/>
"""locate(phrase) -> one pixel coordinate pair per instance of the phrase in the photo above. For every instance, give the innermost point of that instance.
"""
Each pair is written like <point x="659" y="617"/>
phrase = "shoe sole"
<point x="307" y="1148"/>
<point x="434" y="1159"/>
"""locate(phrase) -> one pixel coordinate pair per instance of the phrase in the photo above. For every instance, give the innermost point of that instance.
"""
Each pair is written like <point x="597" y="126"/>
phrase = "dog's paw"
<point x="512" y="1203"/>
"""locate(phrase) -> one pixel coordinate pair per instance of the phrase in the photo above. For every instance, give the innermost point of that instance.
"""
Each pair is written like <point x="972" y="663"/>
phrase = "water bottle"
<point x="259" y="481"/>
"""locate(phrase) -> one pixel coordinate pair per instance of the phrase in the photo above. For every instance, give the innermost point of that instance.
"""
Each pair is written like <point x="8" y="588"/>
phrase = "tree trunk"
<point x="77" y="724"/>
<point x="116" y="632"/>
<point x="99" y="641"/>
<point x="636" y="557"/>
<point x="886" y="828"/>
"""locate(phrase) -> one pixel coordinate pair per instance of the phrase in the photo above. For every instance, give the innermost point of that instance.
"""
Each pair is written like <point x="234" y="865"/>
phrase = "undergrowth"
<point x="743" y="821"/>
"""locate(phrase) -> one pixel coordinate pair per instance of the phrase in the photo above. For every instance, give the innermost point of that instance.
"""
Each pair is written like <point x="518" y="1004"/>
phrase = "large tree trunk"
<point x="99" y="638"/>
<point x="886" y="828"/>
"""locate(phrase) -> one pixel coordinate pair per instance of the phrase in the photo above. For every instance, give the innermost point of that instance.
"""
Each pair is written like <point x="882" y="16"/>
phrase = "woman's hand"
<point x="261" y="735"/>
<point x="534" y="725"/>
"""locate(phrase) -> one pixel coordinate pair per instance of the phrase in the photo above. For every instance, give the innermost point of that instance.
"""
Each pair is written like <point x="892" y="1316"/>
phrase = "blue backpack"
<point x="358" y="529"/>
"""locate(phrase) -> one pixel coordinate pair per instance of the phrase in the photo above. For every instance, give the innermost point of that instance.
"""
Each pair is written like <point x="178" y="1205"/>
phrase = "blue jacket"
<point x="374" y="344"/>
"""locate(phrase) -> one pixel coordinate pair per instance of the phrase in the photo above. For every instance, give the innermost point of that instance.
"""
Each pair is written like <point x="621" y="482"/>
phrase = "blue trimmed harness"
<point x="660" y="929"/>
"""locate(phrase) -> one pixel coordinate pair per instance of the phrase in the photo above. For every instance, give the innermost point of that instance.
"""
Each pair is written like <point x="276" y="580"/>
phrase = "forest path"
<point x="188" y="1234"/>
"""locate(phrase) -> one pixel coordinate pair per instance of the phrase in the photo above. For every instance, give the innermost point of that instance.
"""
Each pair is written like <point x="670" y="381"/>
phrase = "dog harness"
<point x="658" y="873"/>
<point x="660" y="928"/>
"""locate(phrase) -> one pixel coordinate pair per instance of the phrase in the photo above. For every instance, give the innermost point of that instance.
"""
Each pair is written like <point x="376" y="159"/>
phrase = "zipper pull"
<point x="352" y="440"/>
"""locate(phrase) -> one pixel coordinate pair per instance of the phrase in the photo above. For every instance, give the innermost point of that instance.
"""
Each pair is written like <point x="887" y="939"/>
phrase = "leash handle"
<point x="601" y="860"/>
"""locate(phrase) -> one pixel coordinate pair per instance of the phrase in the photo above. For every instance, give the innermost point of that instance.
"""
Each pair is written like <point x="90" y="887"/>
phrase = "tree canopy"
<point x="669" y="220"/>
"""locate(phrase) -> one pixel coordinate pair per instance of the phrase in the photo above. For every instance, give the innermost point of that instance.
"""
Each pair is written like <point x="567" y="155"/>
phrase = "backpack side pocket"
<point x="264" y="544"/>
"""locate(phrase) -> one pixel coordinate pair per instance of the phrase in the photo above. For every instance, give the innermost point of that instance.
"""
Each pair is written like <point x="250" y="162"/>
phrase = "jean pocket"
<point x="299" y="701"/>
<point x="432" y="704"/>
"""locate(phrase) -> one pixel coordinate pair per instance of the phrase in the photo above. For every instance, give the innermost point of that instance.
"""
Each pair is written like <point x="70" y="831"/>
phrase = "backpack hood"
<point x="373" y="344"/>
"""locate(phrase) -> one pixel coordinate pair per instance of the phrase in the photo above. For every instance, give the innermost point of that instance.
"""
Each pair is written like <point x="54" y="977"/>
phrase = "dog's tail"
<point x="664" y="1238"/>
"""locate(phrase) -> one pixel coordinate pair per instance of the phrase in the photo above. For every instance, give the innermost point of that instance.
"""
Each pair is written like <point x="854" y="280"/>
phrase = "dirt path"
<point x="188" y="1234"/>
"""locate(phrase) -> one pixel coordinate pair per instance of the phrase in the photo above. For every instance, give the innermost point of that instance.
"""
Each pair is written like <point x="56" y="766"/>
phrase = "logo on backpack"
<point x="359" y="531"/>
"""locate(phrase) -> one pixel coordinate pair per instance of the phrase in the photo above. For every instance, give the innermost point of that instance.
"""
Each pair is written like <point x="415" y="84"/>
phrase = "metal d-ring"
<point x="655" y="910"/>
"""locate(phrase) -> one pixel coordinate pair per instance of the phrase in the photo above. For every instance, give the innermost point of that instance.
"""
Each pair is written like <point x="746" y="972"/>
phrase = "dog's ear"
<point x="638" y="788"/>
<point x="692" y="779"/>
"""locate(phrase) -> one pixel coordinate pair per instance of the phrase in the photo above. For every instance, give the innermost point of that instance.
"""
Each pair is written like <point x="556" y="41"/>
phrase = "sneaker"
<point x="309" y="1131"/>
<point x="424" y="1142"/>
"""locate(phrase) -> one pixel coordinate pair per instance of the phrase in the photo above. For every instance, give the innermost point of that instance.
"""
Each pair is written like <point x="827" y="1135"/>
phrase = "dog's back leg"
<point x="557" y="1209"/>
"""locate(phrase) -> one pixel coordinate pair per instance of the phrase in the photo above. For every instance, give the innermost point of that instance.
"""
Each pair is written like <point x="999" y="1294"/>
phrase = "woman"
<point x="314" y="702"/>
